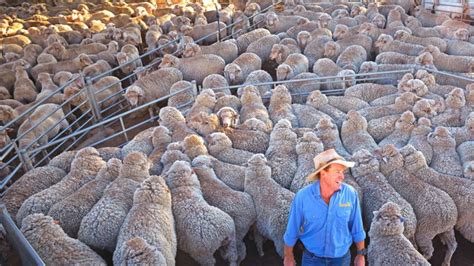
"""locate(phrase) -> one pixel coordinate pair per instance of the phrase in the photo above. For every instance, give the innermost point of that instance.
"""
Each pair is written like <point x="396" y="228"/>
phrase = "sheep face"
<point x="366" y="163"/>
<point x="214" y="81"/>
<point x="401" y="35"/>
<point x="228" y="117"/>
<point x="387" y="221"/>
<point x="10" y="57"/>
<point x="219" y="142"/>
<point x="250" y="95"/>
<point x="324" y="20"/>
<point x="180" y="174"/>
<point x="153" y="190"/>
<point x="331" y="48"/>
<point x="21" y="63"/>
<point x="169" y="61"/>
<point x="83" y="60"/>
<point x="233" y="73"/>
<point x="414" y="160"/>
<point x="277" y="52"/>
<point x="309" y="144"/>
<point x="383" y="40"/>
<point x="461" y="34"/>
<point x="56" y="49"/>
<point x="348" y="76"/>
<point x="425" y="59"/>
<point x="7" y="113"/>
<point x="203" y="161"/>
<point x="426" y="77"/>
<point x="252" y="9"/>
<point x="4" y="139"/>
<point x="355" y="121"/>
<point x="71" y="94"/>
<point x="327" y="131"/>
<point x="412" y="22"/>
<point x="425" y="108"/>
<point x="389" y="158"/>
<point x="284" y="72"/>
<point x="455" y="99"/>
<point x="406" y="122"/>
<point x="469" y="170"/>
<point x="191" y="50"/>
<point x="367" y="28"/>
<point x="368" y="67"/>
<point x="280" y="96"/>
<point x="379" y="21"/>
<point x="205" y="123"/>
<point x="133" y="95"/>
<point x="317" y="99"/>
<point x="340" y="31"/>
<point x="441" y="138"/>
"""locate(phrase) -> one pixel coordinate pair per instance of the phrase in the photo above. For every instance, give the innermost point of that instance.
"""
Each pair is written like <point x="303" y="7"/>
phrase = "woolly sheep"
<point x="200" y="31"/>
<point x="193" y="146"/>
<point x="70" y="211"/>
<point x="196" y="236"/>
<point x="328" y="133"/>
<point x="263" y="47"/>
<point x="252" y="107"/>
<point x="405" y="36"/>
<point x="238" y="205"/>
<point x="184" y="97"/>
<point x="99" y="67"/>
<point x="172" y="118"/>
<point x="308" y="146"/>
<point x="445" y="158"/>
<point x="73" y="66"/>
<point x="382" y="127"/>
<point x="152" y="86"/>
<point x="280" y="106"/>
<point x="377" y="191"/>
<point x="84" y="168"/>
<point x="193" y="68"/>
<point x="354" y="133"/>
<point x="25" y="90"/>
<point x="418" y="30"/>
<point x="279" y="53"/>
<point x="403" y="128"/>
<point x="459" y="189"/>
<point x="137" y="251"/>
<point x="419" y="138"/>
<point x="216" y="82"/>
<point x="151" y="218"/>
<point x="277" y="23"/>
<point x="320" y="102"/>
<point x="256" y="77"/>
<point x="220" y="146"/>
<point x="435" y="211"/>
<point x="386" y="238"/>
<point x="246" y="39"/>
<point x="307" y="115"/>
<point x="315" y="49"/>
<point x="226" y="49"/>
<point x="293" y="65"/>
<point x="204" y="102"/>
<point x="394" y="58"/>
<point x="346" y="103"/>
<point x="467" y="157"/>
<point x="386" y="43"/>
<point x="369" y="91"/>
<point x="237" y="71"/>
<point x="53" y="245"/>
<point x="62" y="53"/>
<point x="352" y="57"/>
<point x="272" y="215"/>
<point x="451" y="63"/>
<point x="42" y="178"/>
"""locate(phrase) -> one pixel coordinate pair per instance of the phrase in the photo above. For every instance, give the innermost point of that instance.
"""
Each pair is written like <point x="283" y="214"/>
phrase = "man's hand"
<point x="289" y="261"/>
<point x="359" y="260"/>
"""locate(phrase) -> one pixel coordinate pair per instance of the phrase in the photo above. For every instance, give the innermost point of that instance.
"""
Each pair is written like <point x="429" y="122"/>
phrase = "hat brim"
<point x="314" y="176"/>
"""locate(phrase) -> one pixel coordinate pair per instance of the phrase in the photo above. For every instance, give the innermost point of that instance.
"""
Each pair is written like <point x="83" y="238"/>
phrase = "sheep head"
<point x="425" y="59"/>
<point x="233" y="73"/>
<point x="21" y="63"/>
<point x="135" y="166"/>
<point x="251" y="9"/>
<point x="4" y="93"/>
<point x="387" y="221"/>
<point x="161" y="137"/>
<point x="200" y="20"/>
<point x="383" y="40"/>
<point x="401" y="35"/>
<point x="218" y="142"/>
<point x="284" y="72"/>
<point x="280" y="96"/>
<point x="406" y="122"/>
<point x="441" y="138"/>
<point x="326" y="130"/>
<point x="204" y="123"/>
<point x="461" y="34"/>
<point x="433" y="50"/>
<point x="302" y="39"/>
<point x="250" y="95"/>
<point x="11" y="57"/>
<point x="331" y="49"/>
<point x="257" y="161"/>
<point x="228" y="117"/>
<point x="368" y="67"/>
<point x="323" y="20"/>
<point x="455" y="99"/>
<point x="278" y="50"/>
<point x="169" y="61"/>
<point x="367" y="28"/>
<point x="414" y="160"/>
<point x="254" y="124"/>
<point x="366" y="163"/>
<point x="412" y="22"/>
<point x="133" y="95"/>
<point x="317" y="99"/>
<point x="340" y="31"/>
<point x="207" y="98"/>
<point x="389" y="158"/>
<point x="194" y="146"/>
<point x="7" y="113"/>
<point x="71" y="94"/>
<point x="83" y="60"/>
<point x="153" y="190"/>
<point x="309" y="144"/>
<point x="87" y="162"/>
<point x="426" y="77"/>
<point x="4" y="139"/>
<point x="181" y="174"/>
<point x="191" y="49"/>
<point x="469" y="170"/>
<point x="379" y="21"/>
<point x="62" y="77"/>
<point x="203" y="161"/>
<point x="354" y="122"/>
<point x="110" y="170"/>
<point x="425" y="108"/>
<point x="40" y="225"/>
<point x="55" y="49"/>
<point x="172" y="155"/>
<point x="170" y="115"/>
<point x="214" y="81"/>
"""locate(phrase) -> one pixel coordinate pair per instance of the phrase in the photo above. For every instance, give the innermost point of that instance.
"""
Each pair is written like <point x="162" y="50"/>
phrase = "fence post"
<point x="218" y="23"/>
<point x="24" y="158"/>
<point x="92" y="101"/>
<point x="195" y="88"/>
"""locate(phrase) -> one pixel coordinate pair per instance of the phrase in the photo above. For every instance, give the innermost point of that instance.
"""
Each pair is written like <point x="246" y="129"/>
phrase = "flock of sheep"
<point x="231" y="164"/>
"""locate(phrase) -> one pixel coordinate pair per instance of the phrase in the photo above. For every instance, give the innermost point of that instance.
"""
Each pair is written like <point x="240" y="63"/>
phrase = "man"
<point x="326" y="216"/>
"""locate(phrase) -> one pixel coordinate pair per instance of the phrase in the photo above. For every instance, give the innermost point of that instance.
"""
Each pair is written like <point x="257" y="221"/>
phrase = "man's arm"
<point x="292" y="231"/>
<point x="289" y="258"/>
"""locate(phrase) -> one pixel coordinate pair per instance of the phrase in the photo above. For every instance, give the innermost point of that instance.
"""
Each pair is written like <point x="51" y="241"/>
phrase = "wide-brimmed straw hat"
<point x="324" y="159"/>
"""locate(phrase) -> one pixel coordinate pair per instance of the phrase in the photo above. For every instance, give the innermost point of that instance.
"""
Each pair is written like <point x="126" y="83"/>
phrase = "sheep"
<point x="42" y="178"/>
<point x="62" y="77"/>
<point x="435" y="211"/>
<point x="352" y="57"/>
<point x="228" y="101"/>
<point x="152" y="86"/>
<point x="217" y="83"/>
<point x="419" y="138"/>
<point x="467" y="158"/>
<point x="172" y="119"/>
<point x="220" y="146"/>
<point x="263" y="47"/>
<point x="199" y="237"/>
<point x="307" y="115"/>
<point x="328" y="133"/>
<point x="280" y="106"/>
<point x="256" y="77"/>
<point x="45" y="58"/>
<point x="61" y="53"/>
<point x="152" y="205"/>
<point x="403" y="129"/>
<point x="101" y="226"/>
<point x="137" y="251"/>
<point x="272" y="216"/>
<point x="53" y="245"/>
<point x="445" y="158"/>
<point x="237" y="71"/>
<point x="238" y="205"/>
<point x="4" y="93"/>
<point x="279" y="53"/>
<point x="386" y="43"/>
<point x="293" y="65"/>
<point x="193" y="68"/>
<point x="275" y="23"/>
<point x="198" y="32"/>
<point x="354" y="133"/>
<point x="84" y="167"/>
<point x="347" y="103"/>
<point x="73" y="66"/>
<point x="246" y="39"/>
<point x="70" y="211"/>
<point x="459" y="189"/>
<point x="25" y="90"/>
<point x="52" y="121"/>
<point x="226" y="49"/>
<point x="308" y="146"/>
<point x="193" y="146"/>
<point x="319" y="101"/>
<point x="418" y="30"/>
<point x="48" y="88"/>
<point x="405" y="36"/>
<point x="452" y="116"/>
<point x="451" y="63"/>
<point x="315" y="49"/>
<point x="386" y="238"/>
<point x="185" y="96"/>
<point x="142" y="142"/>
<point x="99" y="67"/>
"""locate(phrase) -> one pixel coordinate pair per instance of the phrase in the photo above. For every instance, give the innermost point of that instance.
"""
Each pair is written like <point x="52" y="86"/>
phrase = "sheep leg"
<point x="449" y="240"/>
<point x="425" y="245"/>
<point x="258" y="239"/>
<point x="204" y="259"/>
<point x="466" y="229"/>
<point x="229" y="250"/>
<point x="241" y="250"/>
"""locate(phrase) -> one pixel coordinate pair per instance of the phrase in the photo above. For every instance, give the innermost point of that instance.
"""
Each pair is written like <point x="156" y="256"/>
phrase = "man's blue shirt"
<point x="325" y="230"/>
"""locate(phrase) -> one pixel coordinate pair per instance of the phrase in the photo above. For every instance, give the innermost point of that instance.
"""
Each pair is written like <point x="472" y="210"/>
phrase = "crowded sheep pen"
<point x="179" y="132"/>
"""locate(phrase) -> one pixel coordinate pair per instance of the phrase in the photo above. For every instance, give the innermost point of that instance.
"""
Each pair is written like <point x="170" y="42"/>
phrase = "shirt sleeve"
<point x="295" y="219"/>
<point x="355" y="223"/>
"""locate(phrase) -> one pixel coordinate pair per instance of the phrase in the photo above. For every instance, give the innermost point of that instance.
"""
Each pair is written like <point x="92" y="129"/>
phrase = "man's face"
<point x="332" y="176"/>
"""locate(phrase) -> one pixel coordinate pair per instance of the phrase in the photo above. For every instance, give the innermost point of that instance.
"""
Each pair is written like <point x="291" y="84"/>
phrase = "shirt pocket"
<point x="313" y="222"/>
<point x="342" y="221"/>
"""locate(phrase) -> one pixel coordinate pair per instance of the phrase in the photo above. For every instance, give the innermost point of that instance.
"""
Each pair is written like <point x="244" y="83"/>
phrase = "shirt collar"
<point x="316" y="188"/>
